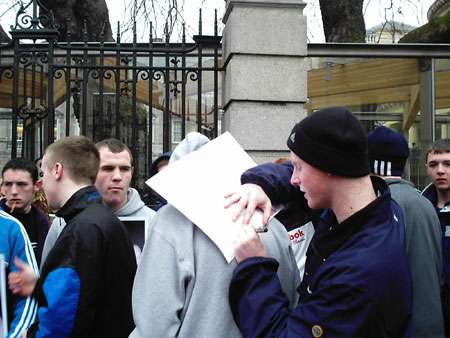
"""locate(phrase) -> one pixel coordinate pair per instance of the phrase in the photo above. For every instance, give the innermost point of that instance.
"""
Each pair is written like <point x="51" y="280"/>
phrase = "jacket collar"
<point x="430" y="193"/>
<point x="79" y="201"/>
<point x="390" y="181"/>
<point x="331" y="234"/>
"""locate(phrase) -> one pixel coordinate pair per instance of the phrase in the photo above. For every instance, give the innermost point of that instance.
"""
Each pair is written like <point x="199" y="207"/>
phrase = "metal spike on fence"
<point x="85" y="33"/>
<point x="166" y="32"/>
<point x="200" y="21"/>
<point x="102" y="32"/>
<point x="151" y="34"/>
<point x="118" y="31"/>
<point x="68" y="31"/>
<point x="215" y="23"/>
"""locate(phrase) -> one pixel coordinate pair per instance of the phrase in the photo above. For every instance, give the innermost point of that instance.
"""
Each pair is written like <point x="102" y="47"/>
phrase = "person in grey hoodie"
<point x="181" y="286"/>
<point x="113" y="183"/>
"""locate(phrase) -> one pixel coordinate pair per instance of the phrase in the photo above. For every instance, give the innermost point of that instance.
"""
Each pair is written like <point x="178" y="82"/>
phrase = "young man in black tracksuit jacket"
<point x="85" y="285"/>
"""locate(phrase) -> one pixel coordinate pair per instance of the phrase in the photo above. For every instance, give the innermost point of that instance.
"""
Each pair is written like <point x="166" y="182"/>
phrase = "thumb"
<point x="266" y="213"/>
<point x="20" y="264"/>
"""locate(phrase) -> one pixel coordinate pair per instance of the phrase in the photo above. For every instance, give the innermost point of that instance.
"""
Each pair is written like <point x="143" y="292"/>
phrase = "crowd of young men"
<point x="373" y="268"/>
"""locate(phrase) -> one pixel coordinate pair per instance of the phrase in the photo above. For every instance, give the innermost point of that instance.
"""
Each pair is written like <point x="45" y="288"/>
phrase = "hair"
<point x="115" y="146"/>
<point x="23" y="164"/>
<point x="78" y="155"/>
<point x="282" y="160"/>
<point x="438" y="147"/>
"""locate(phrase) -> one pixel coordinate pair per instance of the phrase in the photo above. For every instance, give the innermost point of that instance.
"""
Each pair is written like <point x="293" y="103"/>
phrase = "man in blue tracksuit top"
<point x="14" y="243"/>
<point x="356" y="282"/>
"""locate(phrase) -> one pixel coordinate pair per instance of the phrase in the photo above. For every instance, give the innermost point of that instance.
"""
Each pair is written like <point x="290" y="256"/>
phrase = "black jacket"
<point x="87" y="278"/>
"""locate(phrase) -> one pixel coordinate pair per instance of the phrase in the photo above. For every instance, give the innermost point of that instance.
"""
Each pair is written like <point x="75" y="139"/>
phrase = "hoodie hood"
<point x="134" y="206"/>
<point x="192" y="142"/>
<point x="162" y="157"/>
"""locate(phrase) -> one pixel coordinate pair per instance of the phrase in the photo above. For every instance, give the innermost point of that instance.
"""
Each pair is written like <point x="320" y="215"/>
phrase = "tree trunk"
<point x="343" y="20"/>
<point x="93" y="12"/>
<point x="3" y="36"/>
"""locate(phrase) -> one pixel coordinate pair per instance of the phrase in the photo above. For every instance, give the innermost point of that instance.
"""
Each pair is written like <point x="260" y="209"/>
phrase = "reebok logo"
<point x="296" y="236"/>
<point x="292" y="137"/>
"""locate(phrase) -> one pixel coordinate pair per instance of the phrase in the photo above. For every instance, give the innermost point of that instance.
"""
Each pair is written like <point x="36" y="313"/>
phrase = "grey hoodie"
<point x="134" y="207"/>
<point x="181" y="285"/>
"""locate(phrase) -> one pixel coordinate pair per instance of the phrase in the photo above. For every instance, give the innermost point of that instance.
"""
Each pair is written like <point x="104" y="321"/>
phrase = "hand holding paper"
<point x="248" y="199"/>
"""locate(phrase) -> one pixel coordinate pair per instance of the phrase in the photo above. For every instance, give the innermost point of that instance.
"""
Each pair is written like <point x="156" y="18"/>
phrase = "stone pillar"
<point x="264" y="46"/>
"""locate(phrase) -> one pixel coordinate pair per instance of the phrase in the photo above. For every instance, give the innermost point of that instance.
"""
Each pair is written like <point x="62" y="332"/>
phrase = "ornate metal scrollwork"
<point x="34" y="21"/>
<point x="192" y="74"/>
<point x="28" y="112"/>
<point x="7" y="72"/>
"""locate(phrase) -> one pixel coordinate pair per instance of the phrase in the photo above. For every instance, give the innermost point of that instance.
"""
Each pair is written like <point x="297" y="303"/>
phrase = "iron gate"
<point x="149" y="95"/>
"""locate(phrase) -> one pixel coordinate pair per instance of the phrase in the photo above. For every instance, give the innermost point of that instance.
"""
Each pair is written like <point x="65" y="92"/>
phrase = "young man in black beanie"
<point x="356" y="282"/>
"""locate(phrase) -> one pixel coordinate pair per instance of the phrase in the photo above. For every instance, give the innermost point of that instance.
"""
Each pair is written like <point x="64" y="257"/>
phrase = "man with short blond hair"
<point x="85" y="285"/>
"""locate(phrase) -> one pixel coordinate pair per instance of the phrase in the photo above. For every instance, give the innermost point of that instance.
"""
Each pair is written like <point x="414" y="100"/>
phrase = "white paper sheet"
<point x="197" y="183"/>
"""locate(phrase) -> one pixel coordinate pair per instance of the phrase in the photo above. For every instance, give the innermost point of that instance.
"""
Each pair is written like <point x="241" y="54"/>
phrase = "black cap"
<point x="332" y="140"/>
<point x="388" y="151"/>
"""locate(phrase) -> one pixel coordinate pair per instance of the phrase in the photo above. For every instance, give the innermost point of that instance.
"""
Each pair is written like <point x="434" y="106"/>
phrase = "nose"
<point x="440" y="168"/>
<point x="116" y="175"/>
<point x="14" y="189"/>
<point x="295" y="180"/>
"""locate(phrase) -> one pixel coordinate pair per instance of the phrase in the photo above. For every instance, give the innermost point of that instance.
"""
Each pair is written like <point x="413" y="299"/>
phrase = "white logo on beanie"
<point x="292" y="137"/>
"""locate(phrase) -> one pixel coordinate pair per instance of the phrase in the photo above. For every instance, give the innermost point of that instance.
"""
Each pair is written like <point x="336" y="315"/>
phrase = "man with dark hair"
<point x="14" y="243"/>
<point x="438" y="192"/>
<point x="356" y="282"/>
<point x="19" y="184"/>
<point x="85" y="285"/>
<point x="113" y="183"/>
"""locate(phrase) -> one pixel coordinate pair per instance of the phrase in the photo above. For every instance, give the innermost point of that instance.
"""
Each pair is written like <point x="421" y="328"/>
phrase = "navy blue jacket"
<point x="357" y="281"/>
<point x="444" y="218"/>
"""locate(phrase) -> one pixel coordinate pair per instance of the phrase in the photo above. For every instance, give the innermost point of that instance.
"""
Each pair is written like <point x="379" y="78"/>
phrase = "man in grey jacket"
<point x="181" y="286"/>
<point x="388" y="151"/>
<point x="113" y="183"/>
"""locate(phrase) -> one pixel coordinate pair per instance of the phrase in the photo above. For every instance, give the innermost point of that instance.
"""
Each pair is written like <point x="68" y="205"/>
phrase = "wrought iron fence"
<point x="149" y="95"/>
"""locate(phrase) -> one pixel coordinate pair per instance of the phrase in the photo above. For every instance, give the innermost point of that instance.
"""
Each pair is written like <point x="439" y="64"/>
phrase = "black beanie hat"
<point x="332" y="140"/>
<point x="388" y="151"/>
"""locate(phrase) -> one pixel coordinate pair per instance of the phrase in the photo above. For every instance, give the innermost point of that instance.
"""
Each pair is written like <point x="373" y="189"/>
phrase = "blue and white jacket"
<point x="14" y="242"/>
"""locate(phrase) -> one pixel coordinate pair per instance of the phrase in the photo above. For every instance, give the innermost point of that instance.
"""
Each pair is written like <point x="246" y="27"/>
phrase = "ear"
<point x="37" y="186"/>
<point x="132" y="171"/>
<point x="58" y="171"/>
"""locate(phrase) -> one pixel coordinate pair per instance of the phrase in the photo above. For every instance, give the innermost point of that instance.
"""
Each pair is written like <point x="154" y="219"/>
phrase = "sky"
<point x="412" y="12"/>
